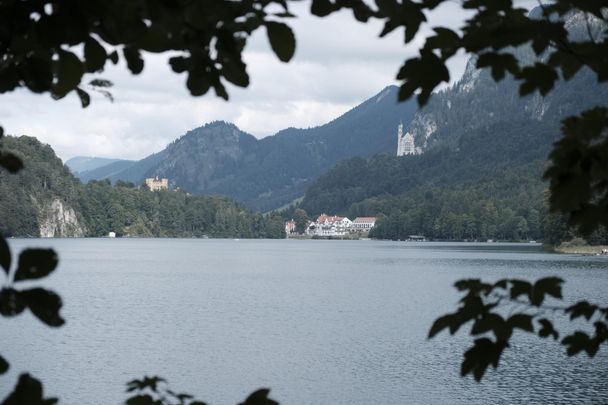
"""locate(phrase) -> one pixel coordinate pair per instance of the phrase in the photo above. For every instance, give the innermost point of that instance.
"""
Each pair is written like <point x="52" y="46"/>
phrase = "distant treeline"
<point x="127" y="210"/>
<point x="131" y="210"/>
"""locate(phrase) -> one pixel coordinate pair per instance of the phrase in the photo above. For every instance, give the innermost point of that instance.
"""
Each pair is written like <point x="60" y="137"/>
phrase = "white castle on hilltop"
<point x="405" y="143"/>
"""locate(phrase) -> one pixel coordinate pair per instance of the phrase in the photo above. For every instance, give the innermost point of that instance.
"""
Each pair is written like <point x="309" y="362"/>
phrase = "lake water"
<point x="319" y="322"/>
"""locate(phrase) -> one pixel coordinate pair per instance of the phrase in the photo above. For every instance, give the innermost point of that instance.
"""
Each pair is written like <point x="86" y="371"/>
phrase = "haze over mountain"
<point x="79" y="164"/>
<point x="219" y="158"/>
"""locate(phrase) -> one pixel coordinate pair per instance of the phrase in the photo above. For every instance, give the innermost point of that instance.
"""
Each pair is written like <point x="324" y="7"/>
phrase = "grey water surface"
<point x="319" y="322"/>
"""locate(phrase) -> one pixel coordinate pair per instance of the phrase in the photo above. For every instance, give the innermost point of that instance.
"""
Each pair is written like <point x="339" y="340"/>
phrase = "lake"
<point x="319" y="322"/>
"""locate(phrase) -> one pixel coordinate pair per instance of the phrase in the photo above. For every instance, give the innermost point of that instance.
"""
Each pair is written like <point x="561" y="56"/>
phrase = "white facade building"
<point x="405" y="143"/>
<point x="363" y="224"/>
<point x="326" y="225"/>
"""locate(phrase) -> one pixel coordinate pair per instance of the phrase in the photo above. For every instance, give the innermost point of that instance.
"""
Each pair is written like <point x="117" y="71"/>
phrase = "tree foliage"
<point x="32" y="264"/>
<point x="205" y="40"/>
<point x="37" y="51"/>
<point x="494" y="312"/>
<point x="155" y="391"/>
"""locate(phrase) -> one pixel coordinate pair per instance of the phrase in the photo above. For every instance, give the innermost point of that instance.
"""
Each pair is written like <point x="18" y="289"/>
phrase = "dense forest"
<point x="137" y="211"/>
<point x="46" y="192"/>
<point x="487" y="185"/>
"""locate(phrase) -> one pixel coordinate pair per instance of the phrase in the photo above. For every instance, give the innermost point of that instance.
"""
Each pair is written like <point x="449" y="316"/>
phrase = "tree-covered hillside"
<point x="485" y="152"/>
<point x="219" y="158"/>
<point x="45" y="199"/>
<point x="26" y="198"/>
<point x="479" y="156"/>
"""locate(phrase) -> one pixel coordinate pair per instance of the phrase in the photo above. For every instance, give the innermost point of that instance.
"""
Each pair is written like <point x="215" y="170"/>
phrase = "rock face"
<point x="59" y="220"/>
<point x="476" y="100"/>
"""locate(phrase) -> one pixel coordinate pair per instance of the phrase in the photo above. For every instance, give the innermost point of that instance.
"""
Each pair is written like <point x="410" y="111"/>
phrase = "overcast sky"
<point x="338" y="64"/>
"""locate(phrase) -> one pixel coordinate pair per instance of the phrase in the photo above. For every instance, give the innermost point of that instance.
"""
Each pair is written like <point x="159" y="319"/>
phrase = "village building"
<point x="332" y="225"/>
<point x="363" y="224"/>
<point x="290" y="227"/>
<point x="156" y="184"/>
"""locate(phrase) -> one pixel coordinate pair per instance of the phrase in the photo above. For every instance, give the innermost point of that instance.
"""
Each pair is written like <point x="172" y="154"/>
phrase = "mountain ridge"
<point x="220" y="158"/>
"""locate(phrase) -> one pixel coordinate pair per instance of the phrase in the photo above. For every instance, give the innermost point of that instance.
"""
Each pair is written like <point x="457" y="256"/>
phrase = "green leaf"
<point x="28" y="391"/>
<point x="197" y="82"/>
<point x="84" y="97"/>
<point x="539" y="77"/>
<point x="578" y="342"/>
<point x="113" y="56"/>
<point x="35" y="263"/>
<point x="445" y="40"/>
<point x="179" y="64"/>
<point x="478" y="358"/>
<point x="423" y="73"/>
<point x="495" y="323"/>
<point x="581" y="309"/>
<point x="547" y="329"/>
<point x="10" y="162"/>
<point x="440" y="324"/>
<point x="500" y="64"/>
<point x="69" y="72"/>
<point x="521" y="321"/>
<point x="235" y="73"/>
<point x="4" y="366"/>
<point x="37" y="74"/>
<point x="259" y="397"/>
<point x="95" y="55"/>
<point x="45" y="305"/>
<point x="151" y="383"/>
<point x="578" y="175"/>
<point x="519" y="287"/>
<point x="282" y="41"/>
<point x="5" y="255"/>
<point x="135" y="63"/>
<point x="546" y="286"/>
<point x="101" y="83"/>
<point x="142" y="400"/>
<point x="220" y="90"/>
<point x="12" y="302"/>
<point x="321" y="8"/>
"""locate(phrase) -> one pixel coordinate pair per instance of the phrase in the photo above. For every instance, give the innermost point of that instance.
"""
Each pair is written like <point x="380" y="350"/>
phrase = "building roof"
<point x="330" y="219"/>
<point x="365" y="219"/>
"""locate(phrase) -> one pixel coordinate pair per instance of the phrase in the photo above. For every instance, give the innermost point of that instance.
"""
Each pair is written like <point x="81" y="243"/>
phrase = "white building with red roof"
<point x="333" y="225"/>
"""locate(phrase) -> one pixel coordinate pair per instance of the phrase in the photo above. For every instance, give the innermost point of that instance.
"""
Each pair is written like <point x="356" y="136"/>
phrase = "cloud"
<point x="339" y="62"/>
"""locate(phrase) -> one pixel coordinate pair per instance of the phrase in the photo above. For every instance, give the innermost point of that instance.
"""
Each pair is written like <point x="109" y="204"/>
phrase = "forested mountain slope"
<point x="219" y="158"/>
<point x="480" y="176"/>
<point x="45" y="199"/>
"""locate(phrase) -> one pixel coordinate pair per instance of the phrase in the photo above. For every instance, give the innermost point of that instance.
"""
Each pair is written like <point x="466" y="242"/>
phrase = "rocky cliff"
<point x="477" y="101"/>
<point x="56" y="219"/>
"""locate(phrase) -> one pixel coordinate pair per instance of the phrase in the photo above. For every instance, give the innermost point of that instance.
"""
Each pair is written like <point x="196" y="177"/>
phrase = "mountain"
<point x="81" y="164"/>
<point x="476" y="100"/>
<point x="219" y="158"/>
<point x="105" y="171"/>
<point x="45" y="199"/>
<point x="480" y="174"/>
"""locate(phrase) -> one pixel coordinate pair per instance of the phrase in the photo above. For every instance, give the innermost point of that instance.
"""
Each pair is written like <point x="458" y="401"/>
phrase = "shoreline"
<point x="588" y="250"/>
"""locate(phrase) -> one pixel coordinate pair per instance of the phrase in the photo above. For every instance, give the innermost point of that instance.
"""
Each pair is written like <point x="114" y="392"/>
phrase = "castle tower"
<point x="405" y="143"/>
